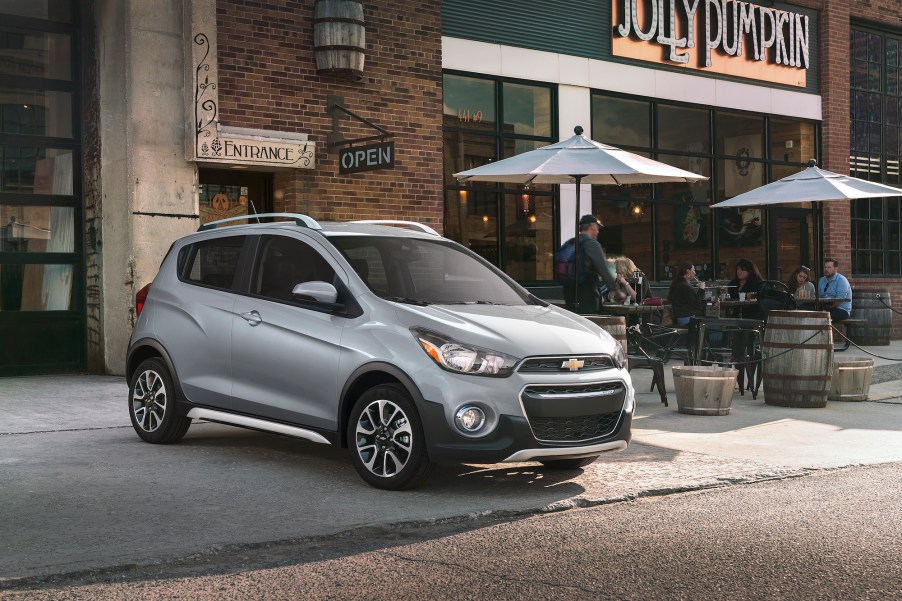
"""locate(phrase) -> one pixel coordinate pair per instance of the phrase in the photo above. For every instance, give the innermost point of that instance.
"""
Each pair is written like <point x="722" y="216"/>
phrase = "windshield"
<point x="420" y="271"/>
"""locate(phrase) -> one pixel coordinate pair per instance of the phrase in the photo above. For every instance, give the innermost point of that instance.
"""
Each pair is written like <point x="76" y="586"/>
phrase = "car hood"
<point x="521" y="331"/>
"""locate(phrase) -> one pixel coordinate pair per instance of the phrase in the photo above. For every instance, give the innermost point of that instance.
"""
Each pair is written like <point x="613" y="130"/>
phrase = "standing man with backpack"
<point x="593" y="268"/>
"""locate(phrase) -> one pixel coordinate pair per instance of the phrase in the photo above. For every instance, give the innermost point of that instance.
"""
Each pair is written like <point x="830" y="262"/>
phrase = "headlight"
<point x="619" y="356"/>
<point x="462" y="358"/>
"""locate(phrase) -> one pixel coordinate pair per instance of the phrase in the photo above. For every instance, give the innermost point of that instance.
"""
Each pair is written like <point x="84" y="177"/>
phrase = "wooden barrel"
<point x="704" y="389"/>
<point x="339" y="37"/>
<point x="798" y="358"/>
<point x="874" y="307"/>
<point x="613" y="325"/>
<point x="851" y="379"/>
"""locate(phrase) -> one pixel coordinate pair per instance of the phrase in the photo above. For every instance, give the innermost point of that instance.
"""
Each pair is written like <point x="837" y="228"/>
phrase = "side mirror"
<point x="321" y="292"/>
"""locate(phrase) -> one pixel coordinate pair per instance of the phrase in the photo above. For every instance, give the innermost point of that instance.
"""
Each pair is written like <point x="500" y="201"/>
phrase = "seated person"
<point x="746" y="278"/>
<point x="835" y="285"/>
<point x="799" y="283"/>
<point x="685" y="300"/>
<point x="624" y="273"/>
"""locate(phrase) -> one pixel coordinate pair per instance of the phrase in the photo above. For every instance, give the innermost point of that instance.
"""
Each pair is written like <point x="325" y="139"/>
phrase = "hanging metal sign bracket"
<point x="354" y="159"/>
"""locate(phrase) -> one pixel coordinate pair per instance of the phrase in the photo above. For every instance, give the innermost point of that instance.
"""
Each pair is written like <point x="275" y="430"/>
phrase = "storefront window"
<point x="30" y="170"/>
<point x="792" y="141"/>
<point x="36" y="287"/>
<point x="738" y="175"/>
<point x="518" y="233"/>
<point x="621" y="122"/>
<point x="876" y="148"/>
<point x="26" y="228"/>
<point x="684" y="232"/>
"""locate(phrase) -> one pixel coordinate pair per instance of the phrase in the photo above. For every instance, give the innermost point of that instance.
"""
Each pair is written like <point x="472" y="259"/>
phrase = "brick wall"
<point x="268" y="80"/>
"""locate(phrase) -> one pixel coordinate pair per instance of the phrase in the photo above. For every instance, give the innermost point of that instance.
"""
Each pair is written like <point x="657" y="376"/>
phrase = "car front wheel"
<point x="385" y="439"/>
<point x="151" y="404"/>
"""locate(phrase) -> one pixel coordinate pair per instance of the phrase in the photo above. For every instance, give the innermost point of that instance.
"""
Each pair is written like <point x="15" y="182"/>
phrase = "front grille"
<point x="545" y="365"/>
<point x="574" y="429"/>
<point x="570" y="413"/>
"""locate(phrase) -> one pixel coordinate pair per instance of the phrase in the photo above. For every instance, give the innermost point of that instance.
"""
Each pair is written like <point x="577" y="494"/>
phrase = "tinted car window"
<point x="214" y="262"/>
<point x="433" y="271"/>
<point x="283" y="263"/>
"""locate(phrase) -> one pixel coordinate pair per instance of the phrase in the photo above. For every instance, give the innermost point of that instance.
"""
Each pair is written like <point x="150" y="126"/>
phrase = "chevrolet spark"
<point x="394" y="342"/>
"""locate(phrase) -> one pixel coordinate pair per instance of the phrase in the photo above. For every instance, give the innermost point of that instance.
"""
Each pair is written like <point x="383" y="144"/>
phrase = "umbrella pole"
<point x="576" y="246"/>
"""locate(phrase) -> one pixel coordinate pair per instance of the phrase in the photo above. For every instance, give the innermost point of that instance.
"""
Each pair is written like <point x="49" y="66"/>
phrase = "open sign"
<point x="366" y="158"/>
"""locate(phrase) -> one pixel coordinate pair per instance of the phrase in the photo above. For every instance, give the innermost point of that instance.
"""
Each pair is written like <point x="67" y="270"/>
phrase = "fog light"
<point x="470" y="419"/>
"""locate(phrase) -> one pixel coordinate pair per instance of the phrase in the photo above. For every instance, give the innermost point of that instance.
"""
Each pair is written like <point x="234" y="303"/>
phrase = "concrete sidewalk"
<point x="80" y="492"/>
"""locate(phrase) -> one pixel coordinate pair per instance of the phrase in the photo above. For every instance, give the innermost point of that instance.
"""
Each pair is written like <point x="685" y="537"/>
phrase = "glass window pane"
<point x="892" y="52"/>
<point x="874" y="113"/>
<point x="859" y="74"/>
<point x="792" y="140"/>
<point x="684" y="234"/>
<point x="874" y="73"/>
<point x="36" y="170"/>
<point x="471" y="218"/>
<point x="874" y="48"/>
<point x="627" y="230"/>
<point x="514" y="146"/>
<point x="620" y="122"/>
<point x="528" y="235"/>
<point x="36" y="113"/>
<point x="470" y="102"/>
<point x="35" y="53"/>
<point x="36" y="287"/>
<point x="698" y="192"/>
<point x="37" y="229"/>
<point x="683" y="129"/>
<point x="874" y="138"/>
<point x="464" y="150"/>
<point x="736" y="176"/>
<point x="527" y="109"/>
<point x="739" y="135"/>
<point x="51" y="10"/>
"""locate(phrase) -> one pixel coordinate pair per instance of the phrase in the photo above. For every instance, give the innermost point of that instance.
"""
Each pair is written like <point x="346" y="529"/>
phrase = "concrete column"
<point x="148" y="189"/>
<point x="574" y="108"/>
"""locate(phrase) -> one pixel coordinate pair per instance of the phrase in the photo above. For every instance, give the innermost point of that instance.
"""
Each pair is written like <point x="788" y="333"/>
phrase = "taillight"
<point x="140" y="298"/>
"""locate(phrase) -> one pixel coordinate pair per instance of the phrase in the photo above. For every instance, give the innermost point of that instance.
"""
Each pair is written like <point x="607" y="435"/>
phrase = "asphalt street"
<point x="834" y="535"/>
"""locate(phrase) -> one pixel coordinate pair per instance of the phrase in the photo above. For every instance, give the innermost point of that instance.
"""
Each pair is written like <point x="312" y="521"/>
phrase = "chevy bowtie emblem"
<point x="572" y="364"/>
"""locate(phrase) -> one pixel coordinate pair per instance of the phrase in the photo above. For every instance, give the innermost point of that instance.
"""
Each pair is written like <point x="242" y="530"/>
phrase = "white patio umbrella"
<point x="810" y="185"/>
<point x="577" y="160"/>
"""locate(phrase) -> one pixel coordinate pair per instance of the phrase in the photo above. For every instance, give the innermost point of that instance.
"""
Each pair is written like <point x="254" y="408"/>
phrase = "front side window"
<point x="283" y="264"/>
<point x="419" y="271"/>
<point x="214" y="262"/>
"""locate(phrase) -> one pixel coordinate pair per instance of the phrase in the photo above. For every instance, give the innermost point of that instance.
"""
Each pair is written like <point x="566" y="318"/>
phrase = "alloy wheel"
<point x="149" y="400"/>
<point x="384" y="438"/>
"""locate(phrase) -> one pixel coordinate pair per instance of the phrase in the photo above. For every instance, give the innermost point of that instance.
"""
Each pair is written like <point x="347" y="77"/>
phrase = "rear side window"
<point x="214" y="262"/>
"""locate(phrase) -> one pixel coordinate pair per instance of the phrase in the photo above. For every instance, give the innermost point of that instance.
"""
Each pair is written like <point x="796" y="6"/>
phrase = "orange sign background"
<point x="738" y="66"/>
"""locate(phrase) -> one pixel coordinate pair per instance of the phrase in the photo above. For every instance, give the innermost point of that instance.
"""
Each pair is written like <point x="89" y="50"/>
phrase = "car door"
<point x="194" y="317"/>
<point x="285" y="351"/>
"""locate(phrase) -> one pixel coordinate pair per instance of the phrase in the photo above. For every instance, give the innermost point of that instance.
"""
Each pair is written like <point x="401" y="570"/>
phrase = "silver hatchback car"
<point x="401" y="345"/>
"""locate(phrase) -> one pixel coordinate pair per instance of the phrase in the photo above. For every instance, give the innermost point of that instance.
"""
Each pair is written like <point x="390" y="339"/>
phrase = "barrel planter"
<point x="704" y="389"/>
<point x="798" y="358"/>
<point x="613" y="325"/>
<point x="874" y="307"/>
<point x="851" y="379"/>
<point x="339" y="37"/>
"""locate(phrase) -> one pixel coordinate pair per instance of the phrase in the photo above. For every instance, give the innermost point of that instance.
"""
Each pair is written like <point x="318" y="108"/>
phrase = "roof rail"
<point x="299" y="220"/>
<point x="425" y="229"/>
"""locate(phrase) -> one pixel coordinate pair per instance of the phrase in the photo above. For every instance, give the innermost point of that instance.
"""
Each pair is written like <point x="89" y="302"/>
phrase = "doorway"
<point x="790" y="241"/>
<point x="228" y="193"/>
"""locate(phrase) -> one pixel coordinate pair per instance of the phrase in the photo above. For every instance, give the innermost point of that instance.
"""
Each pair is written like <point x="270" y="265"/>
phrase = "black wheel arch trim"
<point x="131" y="365"/>
<point x="346" y="403"/>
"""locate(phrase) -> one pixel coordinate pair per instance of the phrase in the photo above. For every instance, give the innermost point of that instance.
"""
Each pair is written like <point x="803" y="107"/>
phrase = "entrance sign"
<point x="730" y="37"/>
<point x="366" y="158"/>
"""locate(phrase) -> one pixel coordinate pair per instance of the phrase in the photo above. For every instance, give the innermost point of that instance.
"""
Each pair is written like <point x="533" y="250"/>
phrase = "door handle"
<point x="252" y="317"/>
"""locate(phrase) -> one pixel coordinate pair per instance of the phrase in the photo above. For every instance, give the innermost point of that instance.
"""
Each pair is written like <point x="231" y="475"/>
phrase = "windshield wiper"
<point x="408" y="300"/>
<point x="471" y="302"/>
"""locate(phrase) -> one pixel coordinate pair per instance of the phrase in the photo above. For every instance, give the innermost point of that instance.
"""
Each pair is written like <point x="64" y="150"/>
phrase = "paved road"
<point x="832" y="535"/>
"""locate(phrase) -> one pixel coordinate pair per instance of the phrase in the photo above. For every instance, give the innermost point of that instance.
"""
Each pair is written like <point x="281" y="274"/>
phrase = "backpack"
<point x="565" y="264"/>
<point x="774" y="294"/>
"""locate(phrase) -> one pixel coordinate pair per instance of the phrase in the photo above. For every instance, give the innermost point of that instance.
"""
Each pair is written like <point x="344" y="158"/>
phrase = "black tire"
<point x="151" y="404"/>
<point x="569" y="464"/>
<point x="390" y="454"/>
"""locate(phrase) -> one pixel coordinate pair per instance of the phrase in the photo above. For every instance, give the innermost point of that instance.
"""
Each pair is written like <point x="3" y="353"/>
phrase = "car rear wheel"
<point x="385" y="439"/>
<point x="152" y="404"/>
<point x="569" y="464"/>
